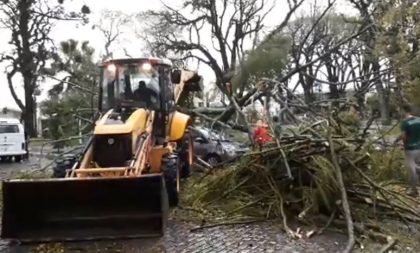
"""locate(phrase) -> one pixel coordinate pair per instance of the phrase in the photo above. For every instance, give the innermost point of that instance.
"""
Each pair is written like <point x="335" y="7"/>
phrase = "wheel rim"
<point x="213" y="160"/>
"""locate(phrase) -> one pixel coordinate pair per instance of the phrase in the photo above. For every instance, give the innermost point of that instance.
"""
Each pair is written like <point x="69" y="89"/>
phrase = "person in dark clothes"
<point x="410" y="136"/>
<point x="143" y="94"/>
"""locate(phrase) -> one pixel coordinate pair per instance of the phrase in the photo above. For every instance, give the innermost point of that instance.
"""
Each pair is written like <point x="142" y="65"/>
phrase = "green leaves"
<point x="399" y="42"/>
<point x="269" y="58"/>
<point x="75" y="61"/>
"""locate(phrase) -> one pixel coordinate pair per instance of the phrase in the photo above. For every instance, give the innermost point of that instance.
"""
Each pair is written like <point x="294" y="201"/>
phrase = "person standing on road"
<point x="410" y="136"/>
<point x="261" y="135"/>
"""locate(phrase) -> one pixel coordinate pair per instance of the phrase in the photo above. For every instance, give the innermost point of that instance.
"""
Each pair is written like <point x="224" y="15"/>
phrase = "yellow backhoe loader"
<point x="128" y="174"/>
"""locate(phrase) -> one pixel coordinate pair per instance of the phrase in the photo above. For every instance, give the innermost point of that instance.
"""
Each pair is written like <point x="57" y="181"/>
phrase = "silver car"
<point x="214" y="147"/>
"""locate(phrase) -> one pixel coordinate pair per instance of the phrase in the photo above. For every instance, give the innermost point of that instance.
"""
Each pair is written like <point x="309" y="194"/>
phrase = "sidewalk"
<point x="47" y="150"/>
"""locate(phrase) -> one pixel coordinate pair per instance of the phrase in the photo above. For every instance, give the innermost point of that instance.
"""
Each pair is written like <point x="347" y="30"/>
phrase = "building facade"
<point x="10" y="113"/>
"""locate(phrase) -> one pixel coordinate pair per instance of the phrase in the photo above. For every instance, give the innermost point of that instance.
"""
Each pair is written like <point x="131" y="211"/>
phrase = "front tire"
<point x="170" y="169"/>
<point x="18" y="158"/>
<point x="7" y="158"/>
<point x="186" y="156"/>
<point x="213" y="159"/>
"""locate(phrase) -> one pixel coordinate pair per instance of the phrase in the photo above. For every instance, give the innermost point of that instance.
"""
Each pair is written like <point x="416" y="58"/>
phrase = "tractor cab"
<point x="129" y="84"/>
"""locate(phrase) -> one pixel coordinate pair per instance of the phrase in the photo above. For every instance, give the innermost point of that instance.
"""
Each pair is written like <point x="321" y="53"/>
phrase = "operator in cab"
<point x="145" y="95"/>
<point x="136" y="86"/>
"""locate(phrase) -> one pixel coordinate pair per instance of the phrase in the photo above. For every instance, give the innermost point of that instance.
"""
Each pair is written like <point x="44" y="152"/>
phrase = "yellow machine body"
<point x="118" y="188"/>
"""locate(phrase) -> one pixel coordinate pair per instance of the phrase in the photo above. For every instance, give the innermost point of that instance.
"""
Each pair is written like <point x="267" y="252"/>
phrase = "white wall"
<point x="10" y="113"/>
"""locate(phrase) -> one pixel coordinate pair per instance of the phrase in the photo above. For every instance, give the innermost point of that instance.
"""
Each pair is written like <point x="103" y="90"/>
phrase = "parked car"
<point x="12" y="140"/>
<point x="213" y="147"/>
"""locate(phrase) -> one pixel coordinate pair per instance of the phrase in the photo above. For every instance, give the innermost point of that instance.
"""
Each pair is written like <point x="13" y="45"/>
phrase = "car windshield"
<point x="8" y="129"/>
<point x="212" y="135"/>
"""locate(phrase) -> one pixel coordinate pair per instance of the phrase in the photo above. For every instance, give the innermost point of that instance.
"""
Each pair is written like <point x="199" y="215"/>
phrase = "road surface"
<point x="260" y="237"/>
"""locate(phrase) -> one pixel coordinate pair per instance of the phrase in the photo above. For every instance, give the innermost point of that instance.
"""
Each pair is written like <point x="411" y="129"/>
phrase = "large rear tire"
<point x="170" y="169"/>
<point x="63" y="164"/>
<point x="186" y="156"/>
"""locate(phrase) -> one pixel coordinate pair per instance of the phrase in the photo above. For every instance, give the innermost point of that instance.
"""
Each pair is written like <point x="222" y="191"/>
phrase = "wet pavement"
<point x="257" y="237"/>
<point x="9" y="169"/>
<point x="261" y="237"/>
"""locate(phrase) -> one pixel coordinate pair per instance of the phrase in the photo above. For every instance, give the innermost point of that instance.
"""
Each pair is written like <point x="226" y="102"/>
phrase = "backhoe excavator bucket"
<point x="71" y="209"/>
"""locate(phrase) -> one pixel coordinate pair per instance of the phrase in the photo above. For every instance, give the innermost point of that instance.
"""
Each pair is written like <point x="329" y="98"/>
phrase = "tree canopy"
<point x="75" y="95"/>
<point x="29" y="24"/>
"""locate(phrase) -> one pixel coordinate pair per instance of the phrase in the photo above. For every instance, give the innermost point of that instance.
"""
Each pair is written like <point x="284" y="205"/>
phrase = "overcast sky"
<point x="68" y="30"/>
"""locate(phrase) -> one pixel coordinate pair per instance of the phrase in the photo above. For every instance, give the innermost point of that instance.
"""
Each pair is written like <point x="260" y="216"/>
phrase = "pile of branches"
<point x="319" y="176"/>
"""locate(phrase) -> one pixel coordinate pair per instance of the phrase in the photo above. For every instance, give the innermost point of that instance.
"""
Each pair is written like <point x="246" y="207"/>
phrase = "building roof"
<point x="9" y="121"/>
<point x="6" y="109"/>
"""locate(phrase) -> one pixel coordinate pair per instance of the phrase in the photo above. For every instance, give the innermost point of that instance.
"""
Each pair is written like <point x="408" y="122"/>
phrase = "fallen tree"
<point x="323" y="174"/>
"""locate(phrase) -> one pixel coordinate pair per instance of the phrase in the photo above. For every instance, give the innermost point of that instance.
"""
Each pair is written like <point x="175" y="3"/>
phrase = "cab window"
<point x="170" y="95"/>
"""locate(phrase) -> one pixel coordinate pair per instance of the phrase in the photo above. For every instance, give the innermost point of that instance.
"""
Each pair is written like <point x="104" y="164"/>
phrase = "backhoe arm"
<point x="190" y="82"/>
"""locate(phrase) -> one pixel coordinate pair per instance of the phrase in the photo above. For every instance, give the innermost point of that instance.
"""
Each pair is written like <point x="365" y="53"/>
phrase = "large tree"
<point x="399" y="42"/>
<point x="368" y="10"/>
<point x="216" y="33"/>
<point x="74" y="98"/>
<point x="111" y="25"/>
<point x="29" y="23"/>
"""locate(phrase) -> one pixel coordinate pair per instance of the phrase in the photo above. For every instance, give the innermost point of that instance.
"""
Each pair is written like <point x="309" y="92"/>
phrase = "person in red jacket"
<point x="261" y="134"/>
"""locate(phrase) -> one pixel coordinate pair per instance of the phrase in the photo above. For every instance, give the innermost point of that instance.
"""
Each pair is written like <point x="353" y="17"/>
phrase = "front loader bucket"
<point x="71" y="209"/>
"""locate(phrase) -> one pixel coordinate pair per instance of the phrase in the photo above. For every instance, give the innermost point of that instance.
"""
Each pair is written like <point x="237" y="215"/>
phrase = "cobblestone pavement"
<point x="261" y="237"/>
<point x="258" y="237"/>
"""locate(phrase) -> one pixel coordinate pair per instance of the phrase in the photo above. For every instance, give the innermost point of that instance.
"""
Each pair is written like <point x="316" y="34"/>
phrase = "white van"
<point x="12" y="140"/>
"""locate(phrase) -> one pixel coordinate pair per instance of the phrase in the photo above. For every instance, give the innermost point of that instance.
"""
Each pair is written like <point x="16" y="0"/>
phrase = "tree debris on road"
<point x="319" y="171"/>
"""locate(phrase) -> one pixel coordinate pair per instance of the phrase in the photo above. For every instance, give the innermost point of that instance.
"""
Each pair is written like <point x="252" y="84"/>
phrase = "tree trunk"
<point x="228" y="114"/>
<point x="399" y="92"/>
<point x="29" y="114"/>
<point x="27" y="67"/>
<point x="382" y="96"/>
<point x="309" y="97"/>
<point x="334" y="93"/>
<point x="308" y="86"/>
<point x="360" y="100"/>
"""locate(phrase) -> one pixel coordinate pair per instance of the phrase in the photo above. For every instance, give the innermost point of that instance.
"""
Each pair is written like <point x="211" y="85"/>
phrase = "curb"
<point x="45" y="155"/>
